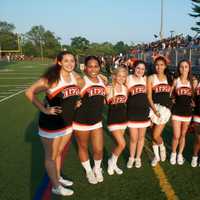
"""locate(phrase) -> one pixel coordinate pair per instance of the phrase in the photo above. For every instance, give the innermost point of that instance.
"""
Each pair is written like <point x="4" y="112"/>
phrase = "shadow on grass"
<point x="37" y="155"/>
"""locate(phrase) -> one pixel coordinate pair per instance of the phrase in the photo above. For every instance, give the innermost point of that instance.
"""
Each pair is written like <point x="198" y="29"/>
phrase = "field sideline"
<point x="21" y="166"/>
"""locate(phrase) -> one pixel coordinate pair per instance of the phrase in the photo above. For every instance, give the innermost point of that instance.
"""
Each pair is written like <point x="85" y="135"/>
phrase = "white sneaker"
<point x="138" y="163"/>
<point x="91" y="177"/>
<point x="180" y="159"/>
<point x="60" y="190"/>
<point x="110" y="169"/>
<point x="65" y="182"/>
<point x="163" y="155"/>
<point x="194" y="162"/>
<point x="130" y="162"/>
<point x="118" y="170"/>
<point x="155" y="161"/>
<point x="99" y="175"/>
<point x="173" y="158"/>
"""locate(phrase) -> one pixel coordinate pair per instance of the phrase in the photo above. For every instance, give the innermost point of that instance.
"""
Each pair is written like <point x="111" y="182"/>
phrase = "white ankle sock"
<point x="86" y="165"/>
<point x="162" y="146"/>
<point x="97" y="164"/>
<point x="114" y="159"/>
<point x="156" y="151"/>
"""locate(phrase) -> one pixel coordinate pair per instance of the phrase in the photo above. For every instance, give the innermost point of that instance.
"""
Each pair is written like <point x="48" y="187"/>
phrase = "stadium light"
<point x="172" y="33"/>
<point x="161" y="20"/>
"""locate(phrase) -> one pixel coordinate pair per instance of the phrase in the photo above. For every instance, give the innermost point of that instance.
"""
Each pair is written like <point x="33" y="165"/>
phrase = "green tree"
<point x="196" y="14"/>
<point x="6" y="27"/>
<point x="121" y="47"/>
<point x="8" y="39"/>
<point x="79" y="44"/>
<point x="42" y="42"/>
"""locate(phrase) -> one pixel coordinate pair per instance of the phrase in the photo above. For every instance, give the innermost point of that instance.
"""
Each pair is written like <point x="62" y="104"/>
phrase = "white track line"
<point x="15" y="90"/>
<point x="6" y="70"/>
<point x="26" y="73"/>
<point x="18" y="78"/>
<point x="15" y="85"/>
<point x="6" y="92"/>
<point x="9" y="97"/>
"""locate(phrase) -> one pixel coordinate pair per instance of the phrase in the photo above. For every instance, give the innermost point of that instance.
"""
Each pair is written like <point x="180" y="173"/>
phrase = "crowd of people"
<point x="178" y="41"/>
<point x="74" y="106"/>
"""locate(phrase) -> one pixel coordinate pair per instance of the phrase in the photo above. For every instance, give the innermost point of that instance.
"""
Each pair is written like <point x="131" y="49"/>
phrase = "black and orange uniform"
<point x="65" y="95"/>
<point x="161" y="97"/>
<point x="117" y="112"/>
<point x="161" y="92"/>
<point x="196" y="115"/>
<point x="182" y="108"/>
<point x="89" y="115"/>
<point x="137" y="105"/>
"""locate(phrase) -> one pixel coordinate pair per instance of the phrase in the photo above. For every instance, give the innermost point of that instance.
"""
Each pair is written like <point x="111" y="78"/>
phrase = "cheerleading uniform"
<point x="64" y="95"/>
<point x="137" y="105"/>
<point x="182" y="109"/>
<point x="161" y="98"/>
<point x="117" y="114"/>
<point x="196" y="116"/>
<point x="89" y="114"/>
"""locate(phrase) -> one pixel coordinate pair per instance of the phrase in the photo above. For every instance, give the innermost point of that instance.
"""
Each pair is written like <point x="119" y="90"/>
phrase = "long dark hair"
<point x="190" y="69"/>
<point x="189" y="77"/>
<point x="166" y="72"/>
<point x="52" y="74"/>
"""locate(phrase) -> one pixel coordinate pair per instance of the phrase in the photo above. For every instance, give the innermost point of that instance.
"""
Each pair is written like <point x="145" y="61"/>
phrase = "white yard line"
<point x="15" y="85"/>
<point x="15" y="90"/>
<point x="19" y="78"/>
<point x="26" y="73"/>
<point x="5" y="92"/>
<point x="9" y="97"/>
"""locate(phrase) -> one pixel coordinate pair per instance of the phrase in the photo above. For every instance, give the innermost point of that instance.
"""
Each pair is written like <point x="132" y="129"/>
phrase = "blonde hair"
<point x="114" y="73"/>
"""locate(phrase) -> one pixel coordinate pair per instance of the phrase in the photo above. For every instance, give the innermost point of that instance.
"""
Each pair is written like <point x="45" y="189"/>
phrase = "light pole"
<point x="172" y="33"/>
<point x="19" y="42"/>
<point x="161" y="20"/>
<point x="41" y="50"/>
<point x="0" y="51"/>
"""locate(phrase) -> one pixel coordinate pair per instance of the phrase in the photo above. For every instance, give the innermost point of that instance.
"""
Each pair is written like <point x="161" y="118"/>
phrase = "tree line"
<point x="39" y="40"/>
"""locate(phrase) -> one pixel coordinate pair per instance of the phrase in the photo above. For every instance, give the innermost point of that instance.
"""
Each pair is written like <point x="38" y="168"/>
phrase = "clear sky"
<point x="100" y="20"/>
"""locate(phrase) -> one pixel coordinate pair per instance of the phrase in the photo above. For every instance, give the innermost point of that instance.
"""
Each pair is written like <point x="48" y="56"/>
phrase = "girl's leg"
<point x="158" y="142"/>
<point x="97" y="144"/>
<point x="51" y="147"/>
<point x="176" y="134"/>
<point x="141" y="138"/>
<point x="132" y="146"/>
<point x="120" y="145"/>
<point x="82" y="138"/>
<point x="184" y="129"/>
<point x="197" y="140"/>
<point x="140" y="145"/>
<point x="64" y="141"/>
<point x="134" y="134"/>
<point x="196" y="148"/>
<point x="120" y="142"/>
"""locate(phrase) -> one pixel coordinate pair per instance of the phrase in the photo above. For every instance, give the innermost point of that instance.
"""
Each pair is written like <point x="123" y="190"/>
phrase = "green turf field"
<point x="21" y="154"/>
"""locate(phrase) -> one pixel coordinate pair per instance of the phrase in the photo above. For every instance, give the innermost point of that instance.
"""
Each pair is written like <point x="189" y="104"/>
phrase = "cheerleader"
<point x="138" y="113"/>
<point x="88" y="120"/>
<point x="196" y="120"/>
<point x="181" y="110"/>
<point x="158" y="93"/>
<point x="60" y="84"/>
<point x="117" y="116"/>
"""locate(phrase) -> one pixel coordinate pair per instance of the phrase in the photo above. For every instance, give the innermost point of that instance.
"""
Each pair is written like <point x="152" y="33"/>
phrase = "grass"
<point x="21" y="153"/>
